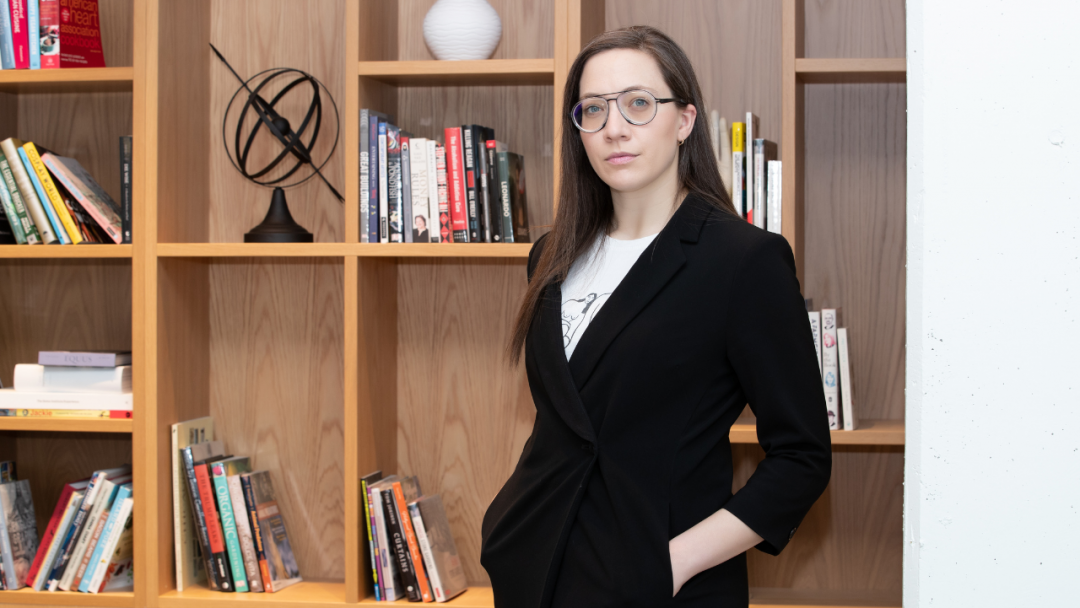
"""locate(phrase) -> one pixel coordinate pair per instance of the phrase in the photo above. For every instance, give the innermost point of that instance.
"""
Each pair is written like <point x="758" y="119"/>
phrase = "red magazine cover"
<point x="49" y="14"/>
<point x="80" y="34"/>
<point x="20" y="41"/>
<point x="459" y="220"/>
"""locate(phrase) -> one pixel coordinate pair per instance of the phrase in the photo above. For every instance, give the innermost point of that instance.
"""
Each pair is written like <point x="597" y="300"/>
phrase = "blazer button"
<point x="588" y="447"/>
<point x="792" y="533"/>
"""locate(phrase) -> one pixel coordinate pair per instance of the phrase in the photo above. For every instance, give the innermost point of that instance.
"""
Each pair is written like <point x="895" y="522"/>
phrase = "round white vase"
<point x="462" y="29"/>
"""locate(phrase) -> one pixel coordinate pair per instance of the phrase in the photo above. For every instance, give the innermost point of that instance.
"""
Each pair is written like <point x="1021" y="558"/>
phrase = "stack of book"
<point x="50" y="199"/>
<point x="413" y="553"/>
<point x="66" y="384"/>
<point x="470" y="189"/>
<point x="831" y="342"/>
<point x="50" y="34"/>
<point x="229" y="531"/>
<point x="87" y="544"/>
<point x="756" y="176"/>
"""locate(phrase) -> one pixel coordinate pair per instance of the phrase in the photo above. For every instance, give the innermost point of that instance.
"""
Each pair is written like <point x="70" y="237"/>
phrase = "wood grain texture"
<point x="855" y="28"/>
<point x="117" y="31"/>
<point x="276" y="391"/>
<point x="463" y="414"/>
<point x="527" y="29"/>
<point x="28" y="597"/>
<point x="379" y="30"/>
<point x="520" y="115"/>
<point x="852" y="538"/>
<point x="856" y="230"/>
<point x="255" y="35"/>
<point x="62" y="305"/>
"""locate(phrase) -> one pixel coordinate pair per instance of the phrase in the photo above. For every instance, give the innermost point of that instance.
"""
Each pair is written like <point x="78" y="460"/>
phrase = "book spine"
<point x="243" y="531"/>
<point x="518" y="205"/>
<point x="18" y="231"/>
<point x="213" y="529"/>
<point x="815" y="330"/>
<point x="384" y="228"/>
<point x="43" y="199"/>
<point x="414" y="547"/>
<point x="393" y="182"/>
<point x="751" y="130"/>
<point x="847" y="405"/>
<point x="9" y="189"/>
<point x="759" y="183"/>
<point x="425" y="550"/>
<point x="738" y="167"/>
<point x="446" y="230"/>
<point x="399" y="547"/>
<point x="125" y="188"/>
<point x="50" y="532"/>
<point x="774" y="198"/>
<point x="105" y="218"/>
<point x="101" y="566"/>
<point x="101" y="540"/>
<point x="51" y="194"/>
<point x="50" y="34"/>
<point x="24" y="413"/>
<point x="365" y="493"/>
<point x="228" y="528"/>
<point x="365" y="185"/>
<point x="391" y="574"/>
<point x="405" y="143"/>
<point x="455" y="175"/>
<point x="502" y="164"/>
<point x="468" y="150"/>
<point x="433" y="192"/>
<point x="829" y="367"/>
<point x="25" y="189"/>
<point x="33" y="27"/>
<point x="42" y="577"/>
<point x="492" y="201"/>
<point x="373" y="179"/>
<point x="8" y="577"/>
<point x="7" y="48"/>
<point x="418" y="222"/>
<point x="64" y="554"/>
<point x="83" y="554"/>
<point x="19" y="38"/>
<point x="256" y="533"/>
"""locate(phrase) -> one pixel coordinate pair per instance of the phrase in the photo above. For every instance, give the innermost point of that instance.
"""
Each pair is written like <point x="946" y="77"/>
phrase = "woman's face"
<point x="631" y="157"/>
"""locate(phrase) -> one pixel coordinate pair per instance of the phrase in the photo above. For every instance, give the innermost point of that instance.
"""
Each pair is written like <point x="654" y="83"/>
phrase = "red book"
<point x="414" y="546"/>
<point x="213" y="527"/>
<point x="455" y="181"/>
<point x="54" y="523"/>
<point x="20" y="40"/>
<point x="80" y="34"/>
<point x="49" y="14"/>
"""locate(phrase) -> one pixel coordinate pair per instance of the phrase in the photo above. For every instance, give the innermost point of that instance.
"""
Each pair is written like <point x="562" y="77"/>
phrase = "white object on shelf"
<point x="30" y="377"/>
<point x="457" y="30"/>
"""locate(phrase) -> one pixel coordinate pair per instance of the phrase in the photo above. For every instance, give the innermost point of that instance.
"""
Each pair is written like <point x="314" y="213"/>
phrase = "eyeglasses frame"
<point x="659" y="100"/>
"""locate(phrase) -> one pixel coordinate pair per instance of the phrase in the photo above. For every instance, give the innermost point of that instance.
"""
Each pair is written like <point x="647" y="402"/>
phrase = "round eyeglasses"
<point x="638" y="107"/>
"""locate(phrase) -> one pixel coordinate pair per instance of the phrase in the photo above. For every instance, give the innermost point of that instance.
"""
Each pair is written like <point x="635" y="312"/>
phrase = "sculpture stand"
<point x="279" y="225"/>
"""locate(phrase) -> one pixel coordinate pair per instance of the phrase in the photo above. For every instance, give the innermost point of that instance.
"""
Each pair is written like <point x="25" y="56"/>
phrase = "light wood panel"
<point x="67" y="425"/>
<point x="851" y="70"/>
<point x="869" y="432"/>
<point x="276" y="391"/>
<point x="460" y="73"/>
<point x="117" y="31"/>
<point x="855" y="28"/>
<point x="764" y="597"/>
<point x="304" y="594"/>
<point x="29" y="597"/>
<point x="67" y="80"/>
<point x="527" y="29"/>
<point x="51" y="252"/>
<point x="463" y="414"/>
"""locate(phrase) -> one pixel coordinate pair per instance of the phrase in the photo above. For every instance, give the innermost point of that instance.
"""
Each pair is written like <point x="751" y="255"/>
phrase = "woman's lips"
<point x="621" y="159"/>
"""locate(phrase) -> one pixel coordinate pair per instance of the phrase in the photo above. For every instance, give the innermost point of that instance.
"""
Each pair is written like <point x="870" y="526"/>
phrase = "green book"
<point x="228" y="527"/>
<point x="26" y="225"/>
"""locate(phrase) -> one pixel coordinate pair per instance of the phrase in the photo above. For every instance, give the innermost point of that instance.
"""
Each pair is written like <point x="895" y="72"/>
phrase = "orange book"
<point x="414" y="547"/>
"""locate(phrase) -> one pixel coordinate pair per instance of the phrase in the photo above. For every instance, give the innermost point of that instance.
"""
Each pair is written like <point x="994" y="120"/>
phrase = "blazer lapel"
<point x="656" y="266"/>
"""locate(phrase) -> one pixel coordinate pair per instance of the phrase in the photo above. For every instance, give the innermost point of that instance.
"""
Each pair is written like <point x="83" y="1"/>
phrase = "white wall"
<point x="992" y="474"/>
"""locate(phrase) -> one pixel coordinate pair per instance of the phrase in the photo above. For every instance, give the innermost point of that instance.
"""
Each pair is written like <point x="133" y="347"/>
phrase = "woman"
<point x="653" y="314"/>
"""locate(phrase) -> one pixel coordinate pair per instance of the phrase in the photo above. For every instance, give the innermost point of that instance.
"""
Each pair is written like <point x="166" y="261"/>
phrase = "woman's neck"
<point x="646" y="211"/>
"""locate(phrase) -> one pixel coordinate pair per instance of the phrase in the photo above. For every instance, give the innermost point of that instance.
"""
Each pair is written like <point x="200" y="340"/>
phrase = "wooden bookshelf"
<point x="66" y="425"/>
<point x="460" y="73"/>
<point x="868" y="433"/>
<point x="836" y="71"/>
<point x="67" y="80"/>
<point x="29" y="597"/>
<point x="45" y="252"/>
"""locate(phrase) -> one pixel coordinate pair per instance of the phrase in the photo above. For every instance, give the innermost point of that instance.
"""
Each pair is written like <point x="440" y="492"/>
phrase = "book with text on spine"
<point x="80" y="35"/>
<point x="228" y="527"/>
<point x="38" y="171"/>
<point x="847" y="404"/>
<point x="830" y="368"/>
<point x="455" y="181"/>
<point x="21" y="183"/>
<point x="10" y="399"/>
<point x="281" y="561"/>
<point x="188" y="556"/>
<point x="50" y="34"/>
<point x="234" y="468"/>
<point x="85" y="358"/>
<point x="447" y="563"/>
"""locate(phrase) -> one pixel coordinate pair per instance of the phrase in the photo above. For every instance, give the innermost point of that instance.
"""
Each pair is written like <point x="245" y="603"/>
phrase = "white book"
<point x="104" y="494"/>
<point x="384" y="226"/>
<point x="433" y="193"/>
<point x="102" y="565"/>
<point x="830" y="368"/>
<point x="815" y="329"/>
<point x="764" y="151"/>
<point x="31" y="377"/>
<point x="418" y="175"/>
<point x="10" y="399"/>
<point x="774" y="198"/>
<point x="188" y="559"/>
<point x="29" y="196"/>
<point x="846" y="402"/>
<point x="365" y="173"/>
<point x="752" y="128"/>
<point x="738" y="179"/>
<point x="425" y="549"/>
<point x="386" y="559"/>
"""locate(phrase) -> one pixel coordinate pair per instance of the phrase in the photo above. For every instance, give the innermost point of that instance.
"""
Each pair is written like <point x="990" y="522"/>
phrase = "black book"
<point x="494" y="198"/>
<point x="220" y="558"/>
<point x="125" y="188"/>
<point x="519" y="209"/>
<point x="399" y="547"/>
<point x="199" y="516"/>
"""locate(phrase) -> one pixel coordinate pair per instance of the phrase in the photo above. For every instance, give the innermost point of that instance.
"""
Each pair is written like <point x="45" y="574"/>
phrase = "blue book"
<point x="122" y="493"/>
<point x="58" y="227"/>
<point x="7" y="44"/>
<point x="228" y="527"/>
<point x="33" y="30"/>
<point x="373" y="178"/>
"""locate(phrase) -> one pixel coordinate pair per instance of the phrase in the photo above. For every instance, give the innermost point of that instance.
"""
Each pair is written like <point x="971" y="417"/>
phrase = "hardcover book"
<point x="774" y="197"/>
<point x="738" y="167"/>
<point x="419" y="219"/>
<point x="764" y="152"/>
<point x="67" y="548"/>
<point x="54" y="537"/>
<point x="188" y="556"/>
<point x="283" y="569"/>
<point x="471" y="181"/>
<point x="218" y="553"/>
<point x="433" y="190"/>
<point x="404" y="491"/>
<point x="84" y="358"/>
<point x="48" y="191"/>
<point x="22" y="185"/>
<point x="80" y="35"/>
<point x="447" y="564"/>
<point x="18" y="532"/>
<point x="365" y="164"/>
<point x="847" y="404"/>
<point x="50" y="34"/>
<point x="384" y="181"/>
<point x="815" y="330"/>
<point x="19" y="22"/>
<point x="33" y="25"/>
<point x="455" y="180"/>
<point x="256" y="533"/>
<point x="393" y="183"/>
<point x="119" y="575"/>
<point x="104" y="493"/>
<point x="228" y="527"/>
<point x="7" y="53"/>
<point x="43" y="199"/>
<point x="389" y="572"/>
<point x="9" y="189"/>
<point x="31" y="377"/>
<point x="398" y="545"/>
<point x="491" y="188"/>
<point x="114" y="531"/>
<point x="752" y="130"/>
<point x="100" y="547"/>
<point x="10" y="399"/>
<point x="125" y="187"/>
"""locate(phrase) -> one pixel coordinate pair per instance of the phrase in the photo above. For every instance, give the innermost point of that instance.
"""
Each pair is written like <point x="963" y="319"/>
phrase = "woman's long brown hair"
<point x="585" y="207"/>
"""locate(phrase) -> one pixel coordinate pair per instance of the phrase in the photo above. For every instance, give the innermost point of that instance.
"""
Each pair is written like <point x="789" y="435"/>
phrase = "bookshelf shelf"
<point x="461" y="73"/>
<point x="832" y="71"/>
<point x="376" y="250"/>
<point x="869" y="432"/>
<point x="473" y="597"/>
<point x="69" y="79"/>
<point x="41" y="252"/>
<point x="66" y="425"/>
<point x="301" y="595"/>
<point x="29" y="597"/>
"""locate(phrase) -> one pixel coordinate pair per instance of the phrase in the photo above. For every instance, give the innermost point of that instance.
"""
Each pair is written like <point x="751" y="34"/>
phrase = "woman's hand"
<point x="680" y="570"/>
<point x="712" y="541"/>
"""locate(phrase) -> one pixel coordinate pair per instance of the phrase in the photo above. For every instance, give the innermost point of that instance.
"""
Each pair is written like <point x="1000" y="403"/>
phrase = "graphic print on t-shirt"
<point x="577" y="311"/>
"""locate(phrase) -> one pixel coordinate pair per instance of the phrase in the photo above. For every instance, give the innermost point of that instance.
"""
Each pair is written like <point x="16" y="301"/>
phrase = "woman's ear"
<point x="686" y="121"/>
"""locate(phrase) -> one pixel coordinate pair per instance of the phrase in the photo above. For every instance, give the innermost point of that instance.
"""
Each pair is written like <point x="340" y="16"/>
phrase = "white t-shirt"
<point x="591" y="279"/>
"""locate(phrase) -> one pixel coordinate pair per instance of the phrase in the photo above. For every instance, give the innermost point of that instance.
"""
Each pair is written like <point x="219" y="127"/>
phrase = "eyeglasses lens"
<point x="637" y="107"/>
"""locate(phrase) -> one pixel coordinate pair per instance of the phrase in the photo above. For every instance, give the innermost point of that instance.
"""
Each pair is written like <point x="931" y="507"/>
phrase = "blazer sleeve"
<point x="771" y="348"/>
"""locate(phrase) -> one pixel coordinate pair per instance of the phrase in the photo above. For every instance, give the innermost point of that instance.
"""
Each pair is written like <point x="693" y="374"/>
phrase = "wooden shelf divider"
<point x="833" y="71"/>
<point x="28" y="597"/>
<point x="67" y="79"/>
<point x="460" y="73"/>
<point x="67" y="425"/>
<point x="44" y="252"/>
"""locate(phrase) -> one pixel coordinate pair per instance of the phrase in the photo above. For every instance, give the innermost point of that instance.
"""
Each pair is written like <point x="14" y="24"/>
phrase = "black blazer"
<point x="630" y="444"/>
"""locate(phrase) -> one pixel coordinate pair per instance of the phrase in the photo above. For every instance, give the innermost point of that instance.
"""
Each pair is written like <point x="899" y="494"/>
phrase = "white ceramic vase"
<point x="462" y="29"/>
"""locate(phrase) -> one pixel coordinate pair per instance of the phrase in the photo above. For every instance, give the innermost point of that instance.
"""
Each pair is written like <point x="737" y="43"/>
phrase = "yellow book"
<point x="738" y="136"/>
<point x="52" y="193"/>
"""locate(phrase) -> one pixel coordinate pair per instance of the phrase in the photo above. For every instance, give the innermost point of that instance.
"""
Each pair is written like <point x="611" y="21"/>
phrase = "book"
<point x="10" y="399"/>
<point x="94" y="529"/>
<point x="432" y="180"/>
<point x="78" y="182"/>
<point x="384" y="180"/>
<point x="764" y="151"/>
<point x="77" y="524"/>
<point x="18" y="532"/>
<point x="406" y="490"/>
<point x="365" y="184"/>
<point x="21" y="184"/>
<point x="519" y="206"/>
<point x="815" y="330"/>
<point x="7" y="471"/>
<point x="393" y="183"/>
<point x="419" y="219"/>
<point x="47" y="192"/>
<point x="447" y="564"/>
<point x="7" y="52"/>
<point x="19" y="22"/>
<point x="88" y="228"/>
<point x="187" y="555"/>
<point x="374" y="179"/>
<point x="446" y="231"/>
<point x="830" y="366"/>
<point x="369" y="524"/>
<point x="493" y="194"/>
<point x="32" y="377"/>
<point x="219" y="558"/>
<point x="455" y="180"/>
<point x="405" y="143"/>
<point x="190" y="455"/>
<point x="234" y="467"/>
<point x="283" y="569"/>
<point x="49" y="42"/>
<point x="7" y="234"/>
<point x="752" y="130"/>
<point x="847" y="404"/>
<point x="434" y="583"/>
<point x="54" y="536"/>
<point x="228" y="527"/>
<point x="502" y="177"/>
<point x="389" y="573"/>
<point x="125" y="188"/>
<point x="256" y="533"/>
<point x="118" y="576"/>
<point x="104" y="492"/>
<point x="33" y="25"/>
<point x="85" y="358"/>
<point x="469" y="165"/>
<point x="103" y="555"/>
<point x="80" y="35"/>
<point x="398" y="544"/>
<point x="774" y="199"/>
<point x="110" y="414"/>
<point x="43" y="198"/>
<point x="22" y="227"/>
